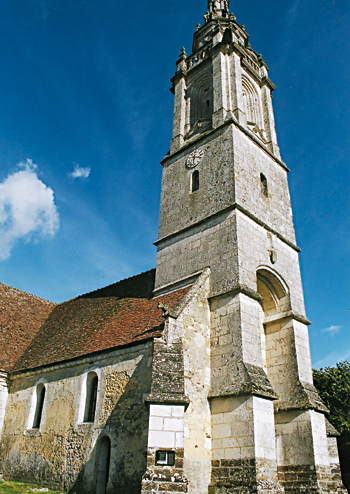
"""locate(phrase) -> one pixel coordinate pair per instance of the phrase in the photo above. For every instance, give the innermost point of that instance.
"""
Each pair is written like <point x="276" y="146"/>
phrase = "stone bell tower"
<point x="225" y="206"/>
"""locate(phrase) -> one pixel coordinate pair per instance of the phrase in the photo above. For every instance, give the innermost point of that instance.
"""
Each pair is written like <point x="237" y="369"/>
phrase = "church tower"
<point x="225" y="209"/>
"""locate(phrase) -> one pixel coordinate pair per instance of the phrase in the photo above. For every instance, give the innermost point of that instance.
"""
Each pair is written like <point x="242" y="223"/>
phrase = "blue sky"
<point x="86" y="115"/>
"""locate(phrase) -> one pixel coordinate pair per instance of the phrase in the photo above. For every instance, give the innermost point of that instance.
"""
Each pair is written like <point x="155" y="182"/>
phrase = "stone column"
<point x="237" y="93"/>
<point x="269" y="120"/>
<point x="302" y="446"/>
<point x="332" y="435"/>
<point x="243" y="430"/>
<point x="188" y="114"/>
<point x="236" y="352"/>
<point x="289" y="363"/>
<point x="219" y="87"/>
<point x="303" y="453"/>
<point x="243" y="452"/>
<point x="179" y="90"/>
<point x="167" y="404"/>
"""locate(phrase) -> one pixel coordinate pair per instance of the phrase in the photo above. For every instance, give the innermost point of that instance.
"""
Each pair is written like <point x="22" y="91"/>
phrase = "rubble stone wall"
<point x="62" y="453"/>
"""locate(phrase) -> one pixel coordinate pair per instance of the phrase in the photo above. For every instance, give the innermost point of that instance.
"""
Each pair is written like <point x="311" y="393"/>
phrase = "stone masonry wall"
<point x="250" y="160"/>
<point x="304" y="460"/>
<point x="164" y="480"/>
<point x="179" y="409"/>
<point x="166" y="433"/>
<point x="180" y="208"/>
<point x="254" y="245"/>
<point x="244" y="453"/>
<point x="214" y="245"/>
<point x="235" y="247"/>
<point x="302" y="479"/>
<point x="62" y="454"/>
<point x="229" y="173"/>
<point x="195" y="319"/>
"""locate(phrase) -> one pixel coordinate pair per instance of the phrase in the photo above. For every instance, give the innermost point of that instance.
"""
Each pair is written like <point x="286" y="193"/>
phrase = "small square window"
<point x="165" y="458"/>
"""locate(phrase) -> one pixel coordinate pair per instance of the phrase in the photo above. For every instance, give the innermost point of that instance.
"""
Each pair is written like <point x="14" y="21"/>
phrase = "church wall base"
<point x="164" y="479"/>
<point x="304" y="479"/>
<point x="242" y="477"/>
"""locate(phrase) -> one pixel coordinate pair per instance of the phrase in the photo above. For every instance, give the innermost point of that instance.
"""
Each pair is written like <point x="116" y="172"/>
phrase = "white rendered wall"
<point x="166" y="426"/>
<point x="3" y="398"/>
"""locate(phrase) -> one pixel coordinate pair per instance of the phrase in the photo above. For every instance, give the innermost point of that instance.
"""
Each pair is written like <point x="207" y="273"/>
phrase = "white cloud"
<point x="332" y="359"/>
<point x="293" y="13"/>
<point x="80" y="172"/>
<point x="331" y="329"/>
<point x="27" y="207"/>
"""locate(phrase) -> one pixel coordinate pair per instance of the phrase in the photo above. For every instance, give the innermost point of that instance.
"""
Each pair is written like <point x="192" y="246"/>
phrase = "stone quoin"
<point x="196" y="376"/>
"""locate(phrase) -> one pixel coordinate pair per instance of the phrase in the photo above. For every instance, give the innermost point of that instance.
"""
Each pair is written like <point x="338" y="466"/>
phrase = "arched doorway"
<point x="275" y="300"/>
<point x="273" y="291"/>
<point x="102" y="464"/>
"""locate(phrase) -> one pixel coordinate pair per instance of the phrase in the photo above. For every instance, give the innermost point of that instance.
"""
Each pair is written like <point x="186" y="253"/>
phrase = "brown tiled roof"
<point x="21" y="316"/>
<point x="117" y="315"/>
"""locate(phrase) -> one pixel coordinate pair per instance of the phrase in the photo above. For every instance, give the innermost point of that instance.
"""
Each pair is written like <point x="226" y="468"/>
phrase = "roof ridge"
<point x="94" y="292"/>
<point x="27" y="293"/>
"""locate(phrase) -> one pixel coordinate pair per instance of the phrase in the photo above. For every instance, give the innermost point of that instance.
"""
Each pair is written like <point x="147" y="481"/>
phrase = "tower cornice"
<point x="175" y="79"/>
<point x="231" y="207"/>
<point x="192" y="63"/>
<point x="212" y="133"/>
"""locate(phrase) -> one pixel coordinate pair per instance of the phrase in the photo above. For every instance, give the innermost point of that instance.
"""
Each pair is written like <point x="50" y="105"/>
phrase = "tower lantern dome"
<point x="219" y="7"/>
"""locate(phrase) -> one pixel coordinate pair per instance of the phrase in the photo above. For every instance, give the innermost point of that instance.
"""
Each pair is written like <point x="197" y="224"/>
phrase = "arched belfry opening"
<point x="200" y="101"/>
<point x="102" y="464"/>
<point x="252" y="105"/>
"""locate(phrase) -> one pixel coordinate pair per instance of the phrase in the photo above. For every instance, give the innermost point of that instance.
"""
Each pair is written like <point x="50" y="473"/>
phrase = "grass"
<point x="19" y="488"/>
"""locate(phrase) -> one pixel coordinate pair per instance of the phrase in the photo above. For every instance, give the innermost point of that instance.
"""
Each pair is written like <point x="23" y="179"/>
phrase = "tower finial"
<point x="219" y="7"/>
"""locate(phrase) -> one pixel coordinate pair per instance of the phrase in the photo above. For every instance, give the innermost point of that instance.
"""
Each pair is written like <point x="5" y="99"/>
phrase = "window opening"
<point x="102" y="465"/>
<point x="264" y="187"/>
<point x="40" y="396"/>
<point x="165" y="458"/>
<point x="251" y="103"/>
<point x="91" y="397"/>
<point x="195" y="181"/>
